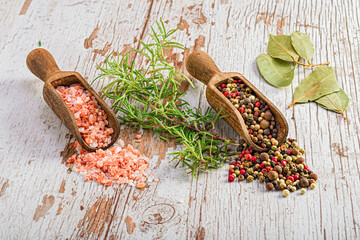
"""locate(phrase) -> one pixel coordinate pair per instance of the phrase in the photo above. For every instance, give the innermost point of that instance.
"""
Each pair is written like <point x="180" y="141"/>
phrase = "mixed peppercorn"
<point x="257" y="116"/>
<point x="282" y="167"/>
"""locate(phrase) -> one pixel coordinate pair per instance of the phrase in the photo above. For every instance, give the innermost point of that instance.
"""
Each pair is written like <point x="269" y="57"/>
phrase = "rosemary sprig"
<point x="150" y="97"/>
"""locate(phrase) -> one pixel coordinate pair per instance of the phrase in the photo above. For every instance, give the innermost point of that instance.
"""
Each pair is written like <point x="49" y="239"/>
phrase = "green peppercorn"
<point x="312" y="186"/>
<point x="249" y="178"/>
<point x="300" y="167"/>
<point x="232" y="167"/>
<point x="237" y="172"/>
<point x="303" y="191"/>
<point x="286" y="193"/>
<point x="260" y="174"/>
<point x="241" y="178"/>
<point x="288" y="182"/>
<point x="274" y="141"/>
<point x="256" y="173"/>
<point x="230" y="80"/>
<point x="280" y="157"/>
<point x="311" y="181"/>
<point x="282" y="185"/>
<point x="250" y="171"/>
<point x="261" y="179"/>
<point x="292" y="188"/>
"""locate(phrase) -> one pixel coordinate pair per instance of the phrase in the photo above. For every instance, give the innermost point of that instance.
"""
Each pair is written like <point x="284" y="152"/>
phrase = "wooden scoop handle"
<point x="201" y="66"/>
<point x="41" y="63"/>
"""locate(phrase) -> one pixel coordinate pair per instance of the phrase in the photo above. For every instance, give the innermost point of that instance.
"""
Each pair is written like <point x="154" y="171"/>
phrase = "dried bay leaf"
<point x="276" y="72"/>
<point x="336" y="101"/>
<point x="322" y="81"/>
<point x="302" y="45"/>
<point x="281" y="47"/>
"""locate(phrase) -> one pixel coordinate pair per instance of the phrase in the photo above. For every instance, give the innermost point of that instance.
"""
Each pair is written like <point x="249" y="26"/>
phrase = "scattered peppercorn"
<point x="313" y="176"/>
<point x="312" y="186"/>
<point x="281" y="167"/>
<point x="286" y="193"/>
<point x="269" y="186"/>
<point x="304" y="182"/>
<point x="303" y="191"/>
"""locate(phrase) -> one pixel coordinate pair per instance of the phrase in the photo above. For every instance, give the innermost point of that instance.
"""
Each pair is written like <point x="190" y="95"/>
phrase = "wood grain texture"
<point x="32" y="175"/>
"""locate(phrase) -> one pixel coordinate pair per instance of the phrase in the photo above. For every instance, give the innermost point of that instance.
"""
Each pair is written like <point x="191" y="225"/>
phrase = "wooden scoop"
<point x="42" y="64"/>
<point x="201" y="66"/>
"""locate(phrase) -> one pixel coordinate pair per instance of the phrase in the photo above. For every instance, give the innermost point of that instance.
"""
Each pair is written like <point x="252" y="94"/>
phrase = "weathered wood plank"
<point x="39" y="199"/>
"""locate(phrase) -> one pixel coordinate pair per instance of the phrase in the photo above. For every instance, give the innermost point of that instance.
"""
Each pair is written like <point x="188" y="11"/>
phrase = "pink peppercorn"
<point x="248" y="157"/>
<point x="236" y="93"/>
<point x="231" y="171"/>
<point x="242" y="110"/>
<point x="242" y="171"/>
<point x="290" y="178"/>
<point x="274" y="159"/>
<point x="296" y="177"/>
<point x="234" y="163"/>
<point x="253" y="159"/>
<point x="223" y="85"/>
<point x="283" y="163"/>
<point x="307" y="168"/>
<point x="226" y="93"/>
<point x="231" y="178"/>
<point x="264" y="171"/>
<point x="262" y="165"/>
<point x="269" y="168"/>
<point x="257" y="104"/>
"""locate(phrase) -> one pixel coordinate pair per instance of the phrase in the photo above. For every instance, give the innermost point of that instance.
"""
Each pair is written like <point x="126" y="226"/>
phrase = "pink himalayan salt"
<point x="90" y="118"/>
<point x="114" y="165"/>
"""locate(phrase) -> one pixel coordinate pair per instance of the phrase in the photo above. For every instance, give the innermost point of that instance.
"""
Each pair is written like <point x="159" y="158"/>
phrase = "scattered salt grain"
<point x="114" y="165"/>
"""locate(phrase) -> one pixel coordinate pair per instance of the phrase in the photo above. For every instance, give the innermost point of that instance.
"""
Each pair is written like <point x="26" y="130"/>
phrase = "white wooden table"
<point x="40" y="200"/>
